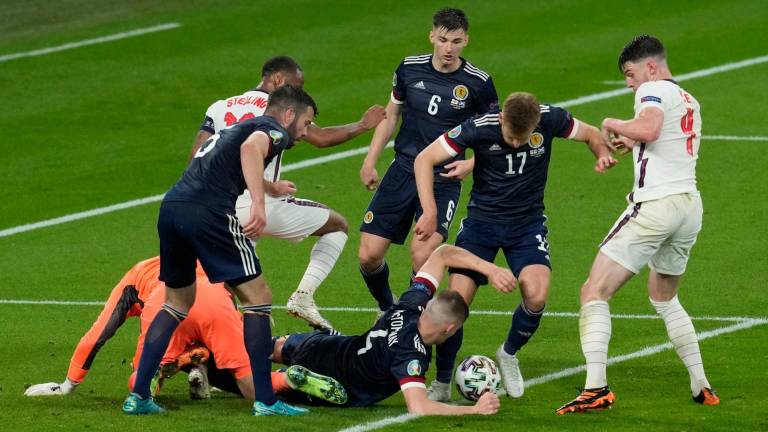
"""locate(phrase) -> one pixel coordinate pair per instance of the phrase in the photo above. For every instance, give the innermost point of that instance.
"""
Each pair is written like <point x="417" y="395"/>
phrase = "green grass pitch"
<point x="112" y="122"/>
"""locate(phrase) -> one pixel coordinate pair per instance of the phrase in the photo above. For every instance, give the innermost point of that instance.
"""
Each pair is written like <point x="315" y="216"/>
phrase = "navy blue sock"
<point x="446" y="356"/>
<point x="378" y="284"/>
<point x="258" y="343"/>
<point x="155" y="343"/>
<point x="524" y="325"/>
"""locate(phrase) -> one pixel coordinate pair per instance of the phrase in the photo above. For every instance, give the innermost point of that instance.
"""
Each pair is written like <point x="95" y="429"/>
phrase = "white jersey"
<point x="667" y="166"/>
<point x="225" y="113"/>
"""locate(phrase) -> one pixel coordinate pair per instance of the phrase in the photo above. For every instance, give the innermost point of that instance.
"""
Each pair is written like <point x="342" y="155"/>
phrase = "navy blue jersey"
<point x="508" y="183"/>
<point x="391" y="355"/>
<point x="215" y="175"/>
<point x="434" y="102"/>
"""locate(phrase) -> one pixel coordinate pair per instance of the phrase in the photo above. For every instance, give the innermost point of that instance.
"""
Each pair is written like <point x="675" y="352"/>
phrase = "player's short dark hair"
<point x="279" y="64"/>
<point x="521" y="112"/>
<point x="451" y="19"/>
<point x="641" y="47"/>
<point x="289" y="96"/>
<point x="455" y="305"/>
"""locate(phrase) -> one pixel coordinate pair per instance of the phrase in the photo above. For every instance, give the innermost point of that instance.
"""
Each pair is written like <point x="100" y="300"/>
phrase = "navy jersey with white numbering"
<point x="434" y="102"/>
<point x="508" y="183"/>
<point x="391" y="355"/>
<point x="214" y="177"/>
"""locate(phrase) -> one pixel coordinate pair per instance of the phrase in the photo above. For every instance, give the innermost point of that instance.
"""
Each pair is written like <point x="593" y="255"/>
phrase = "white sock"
<point x="321" y="261"/>
<point x="683" y="337"/>
<point x="595" y="333"/>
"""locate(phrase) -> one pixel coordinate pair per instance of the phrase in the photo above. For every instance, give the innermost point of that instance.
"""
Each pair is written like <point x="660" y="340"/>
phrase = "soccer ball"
<point x="476" y="375"/>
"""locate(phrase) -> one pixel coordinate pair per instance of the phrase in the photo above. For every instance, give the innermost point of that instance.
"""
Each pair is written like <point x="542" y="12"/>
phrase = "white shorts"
<point x="288" y="218"/>
<point x="659" y="233"/>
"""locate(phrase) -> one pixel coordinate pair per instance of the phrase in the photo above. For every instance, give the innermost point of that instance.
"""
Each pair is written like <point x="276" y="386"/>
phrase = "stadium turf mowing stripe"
<point x="287" y="168"/>
<point x="86" y="42"/>
<point x="376" y="310"/>
<point x="645" y="352"/>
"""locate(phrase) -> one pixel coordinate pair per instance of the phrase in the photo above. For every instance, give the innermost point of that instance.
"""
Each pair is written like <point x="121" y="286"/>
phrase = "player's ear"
<point x="432" y="37"/>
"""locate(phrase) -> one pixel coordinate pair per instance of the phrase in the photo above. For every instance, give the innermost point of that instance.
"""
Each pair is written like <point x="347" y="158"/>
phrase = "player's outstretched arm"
<point x="202" y="136"/>
<point x="423" y="170"/>
<point x="381" y="137"/>
<point x="646" y="127"/>
<point x="252" y="154"/>
<point x="453" y="256"/>
<point x="419" y="404"/>
<point x="335" y="135"/>
<point x="597" y="145"/>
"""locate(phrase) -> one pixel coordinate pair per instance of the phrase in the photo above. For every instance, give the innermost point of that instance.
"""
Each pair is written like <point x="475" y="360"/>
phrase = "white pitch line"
<point x="86" y="42"/>
<point x="679" y="78"/>
<point x="310" y="162"/>
<point x="354" y="309"/>
<point x="645" y="352"/>
<point x="734" y="138"/>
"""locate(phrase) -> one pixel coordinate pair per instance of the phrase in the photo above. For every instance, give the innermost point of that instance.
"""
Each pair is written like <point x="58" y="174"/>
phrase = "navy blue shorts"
<point x="395" y="206"/>
<point x="522" y="245"/>
<point x="191" y="231"/>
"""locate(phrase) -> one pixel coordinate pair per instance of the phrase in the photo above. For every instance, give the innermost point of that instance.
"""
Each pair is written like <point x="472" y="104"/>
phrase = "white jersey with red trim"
<point x="667" y="166"/>
<point x="226" y="112"/>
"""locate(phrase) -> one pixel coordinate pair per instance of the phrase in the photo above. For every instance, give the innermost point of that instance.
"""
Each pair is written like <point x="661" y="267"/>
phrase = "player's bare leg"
<point x="374" y="269"/>
<point x="605" y="279"/>
<point x="534" y="288"/>
<point x="421" y="250"/>
<point x="662" y="291"/>
<point x="333" y="236"/>
<point x="440" y="388"/>
<point x="256" y="304"/>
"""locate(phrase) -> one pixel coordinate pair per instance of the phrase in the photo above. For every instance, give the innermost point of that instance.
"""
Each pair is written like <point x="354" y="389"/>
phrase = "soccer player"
<point x="394" y="354"/>
<point x="506" y="211"/>
<point x="659" y="227"/>
<point x="291" y="218"/>
<point x="432" y="93"/>
<point x="197" y="221"/>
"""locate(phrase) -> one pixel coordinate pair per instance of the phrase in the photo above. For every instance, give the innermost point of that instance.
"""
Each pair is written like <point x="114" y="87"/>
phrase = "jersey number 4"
<point x="230" y="118"/>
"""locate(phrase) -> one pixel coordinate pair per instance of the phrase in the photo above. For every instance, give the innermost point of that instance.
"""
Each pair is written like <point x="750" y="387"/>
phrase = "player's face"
<point x="636" y="74"/>
<point x="514" y="140"/>
<point x="448" y="45"/>
<point x="298" y="128"/>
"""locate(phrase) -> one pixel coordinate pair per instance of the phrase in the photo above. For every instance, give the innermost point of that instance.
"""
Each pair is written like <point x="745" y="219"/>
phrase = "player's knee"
<point x="368" y="258"/>
<point x="535" y="296"/>
<point x="339" y="223"/>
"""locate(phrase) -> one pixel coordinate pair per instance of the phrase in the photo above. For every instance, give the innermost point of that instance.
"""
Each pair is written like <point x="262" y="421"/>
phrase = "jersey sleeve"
<point x="487" y="99"/>
<point x="209" y="122"/>
<point x="398" y="85"/>
<point x="459" y="138"/>
<point x="410" y="362"/>
<point x="421" y="291"/>
<point x="562" y="123"/>
<point x="278" y="140"/>
<point x="649" y="94"/>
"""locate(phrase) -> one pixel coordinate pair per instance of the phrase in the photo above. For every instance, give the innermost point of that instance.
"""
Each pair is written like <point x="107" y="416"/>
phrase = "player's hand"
<point x="48" y="389"/>
<point x="622" y="145"/>
<point x="369" y="176"/>
<point x="425" y="226"/>
<point x="502" y="279"/>
<point x="459" y="169"/>
<point x="373" y="117"/>
<point x="604" y="163"/>
<point x="488" y="404"/>
<point x="282" y="187"/>
<point x="256" y="222"/>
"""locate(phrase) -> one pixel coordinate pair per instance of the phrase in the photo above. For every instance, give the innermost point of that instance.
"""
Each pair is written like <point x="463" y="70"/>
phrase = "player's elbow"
<point x="650" y="135"/>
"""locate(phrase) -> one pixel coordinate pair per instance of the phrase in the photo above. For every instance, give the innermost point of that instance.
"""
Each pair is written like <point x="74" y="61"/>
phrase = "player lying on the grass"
<point x="506" y="211"/>
<point x="214" y="327"/>
<point x="290" y="218"/>
<point x="659" y="227"/>
<point x="394" y="354"/>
